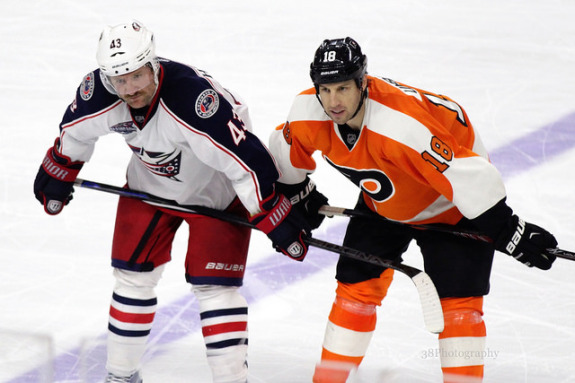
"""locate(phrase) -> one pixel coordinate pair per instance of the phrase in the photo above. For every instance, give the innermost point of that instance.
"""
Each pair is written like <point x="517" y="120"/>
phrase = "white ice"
<point x="509" y="63"/>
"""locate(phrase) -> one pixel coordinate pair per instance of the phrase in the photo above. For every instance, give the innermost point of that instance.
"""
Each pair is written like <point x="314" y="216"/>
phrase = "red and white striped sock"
<point x="129" y="326"/>
<point x="224" y="316"/>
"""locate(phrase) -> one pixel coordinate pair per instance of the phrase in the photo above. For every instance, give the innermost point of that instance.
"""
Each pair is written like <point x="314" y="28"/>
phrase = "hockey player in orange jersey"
<point x="417" y="159"/>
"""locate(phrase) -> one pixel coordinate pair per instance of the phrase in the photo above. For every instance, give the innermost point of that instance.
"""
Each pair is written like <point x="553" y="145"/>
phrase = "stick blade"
<point x="430" y="303"/>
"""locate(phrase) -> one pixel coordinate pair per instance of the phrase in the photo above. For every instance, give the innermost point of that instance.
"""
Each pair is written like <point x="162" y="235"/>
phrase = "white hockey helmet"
<point x="125" y="48"/>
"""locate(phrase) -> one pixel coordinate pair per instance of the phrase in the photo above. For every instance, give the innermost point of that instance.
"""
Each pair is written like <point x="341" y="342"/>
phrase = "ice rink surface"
<point x="509" y="63"/>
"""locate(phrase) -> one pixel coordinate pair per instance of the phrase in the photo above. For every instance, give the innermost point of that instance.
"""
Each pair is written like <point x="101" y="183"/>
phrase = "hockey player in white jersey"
<point x="191" y="142"/>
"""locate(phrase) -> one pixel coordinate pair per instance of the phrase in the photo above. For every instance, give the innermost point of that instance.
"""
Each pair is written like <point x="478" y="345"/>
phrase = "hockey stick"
<point x="429" y="299"/>
<point x="340" y="211"/>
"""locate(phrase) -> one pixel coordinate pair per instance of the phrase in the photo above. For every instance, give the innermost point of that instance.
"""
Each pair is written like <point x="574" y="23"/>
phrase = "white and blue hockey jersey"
<point x="193" y="145"/>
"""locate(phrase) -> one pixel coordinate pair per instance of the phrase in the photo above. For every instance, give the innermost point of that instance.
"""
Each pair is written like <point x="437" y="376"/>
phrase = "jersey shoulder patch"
<point x="207" y="103"/>
<point x="87" y="87"/>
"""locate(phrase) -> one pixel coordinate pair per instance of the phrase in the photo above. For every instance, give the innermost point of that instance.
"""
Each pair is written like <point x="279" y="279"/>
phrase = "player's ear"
<point x="364" y="83"/>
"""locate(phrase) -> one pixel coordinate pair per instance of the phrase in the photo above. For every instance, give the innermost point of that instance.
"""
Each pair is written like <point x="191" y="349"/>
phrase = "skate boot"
<point x="134" y="378"/>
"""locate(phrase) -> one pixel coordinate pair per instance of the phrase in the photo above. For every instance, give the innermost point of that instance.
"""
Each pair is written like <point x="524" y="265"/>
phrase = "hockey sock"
<point x="462" y="343"/>
<point x="129" y="326"/>
<point x="350" y="327"/>
<point x="348" y="333"/>
<point x="224" y="316"/>
<point x="132" y="312"/>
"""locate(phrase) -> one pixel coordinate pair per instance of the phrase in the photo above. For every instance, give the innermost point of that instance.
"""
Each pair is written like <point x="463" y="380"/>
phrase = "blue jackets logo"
<point x="162" y="164"/>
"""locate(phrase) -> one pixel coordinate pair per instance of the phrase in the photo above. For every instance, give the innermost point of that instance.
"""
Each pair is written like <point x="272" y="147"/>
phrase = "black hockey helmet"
<point x="338" y="60"/>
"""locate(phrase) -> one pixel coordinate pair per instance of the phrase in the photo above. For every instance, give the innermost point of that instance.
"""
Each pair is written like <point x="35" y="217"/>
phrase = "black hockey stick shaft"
<point x="431" y="305"/>
<point x="340" y="211"/>
<point x="332" y="210"/>
<point x="215" y="213"/>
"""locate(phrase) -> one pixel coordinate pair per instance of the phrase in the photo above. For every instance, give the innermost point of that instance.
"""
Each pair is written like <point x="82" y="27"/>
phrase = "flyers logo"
<point x="287" y="133"/>
<point x="373" y="182"/>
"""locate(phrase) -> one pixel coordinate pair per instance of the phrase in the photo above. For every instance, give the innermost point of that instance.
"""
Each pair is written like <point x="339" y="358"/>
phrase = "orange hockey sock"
<point x="462" y="343"/>
<point x="350" y="327"/>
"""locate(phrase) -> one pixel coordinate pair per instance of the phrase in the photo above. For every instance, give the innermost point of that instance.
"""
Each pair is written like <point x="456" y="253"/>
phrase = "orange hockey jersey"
<point x="417" y="158"/>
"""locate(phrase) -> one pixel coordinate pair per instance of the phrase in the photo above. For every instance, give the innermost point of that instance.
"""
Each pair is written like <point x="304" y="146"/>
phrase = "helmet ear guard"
<point x="338" y="60"/>
<point x="123" y="49"/>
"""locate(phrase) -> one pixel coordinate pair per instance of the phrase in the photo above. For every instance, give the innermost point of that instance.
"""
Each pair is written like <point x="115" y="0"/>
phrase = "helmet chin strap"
<point x="360" y="104"/>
